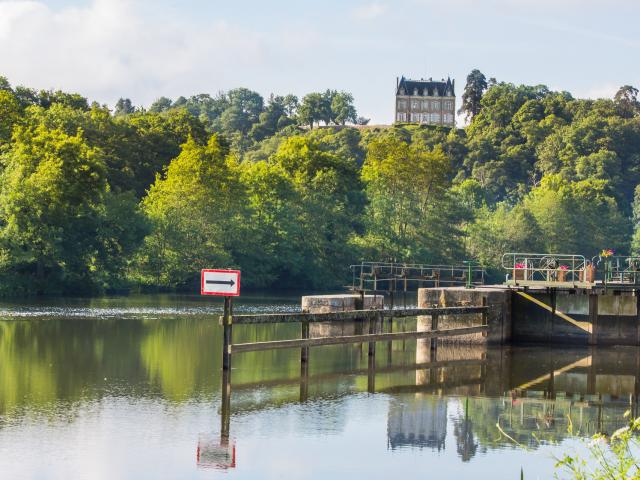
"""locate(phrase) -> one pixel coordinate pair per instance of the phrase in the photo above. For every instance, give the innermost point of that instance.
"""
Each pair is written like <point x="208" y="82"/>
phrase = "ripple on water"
<point x="133" y="312"/>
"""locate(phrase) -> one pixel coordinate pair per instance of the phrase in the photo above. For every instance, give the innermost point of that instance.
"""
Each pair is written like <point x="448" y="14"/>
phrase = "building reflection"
<point x="417" y="421"/>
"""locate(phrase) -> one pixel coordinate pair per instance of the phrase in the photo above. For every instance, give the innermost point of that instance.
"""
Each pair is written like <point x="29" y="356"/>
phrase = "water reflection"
<point x="418" y="421"/>
<point x="164" y="375"/>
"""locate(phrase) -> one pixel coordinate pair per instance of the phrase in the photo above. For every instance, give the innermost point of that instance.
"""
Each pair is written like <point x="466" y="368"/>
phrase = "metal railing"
<point x="618" y="270"/>
<point x="390" y="277"/>
<point x="545" y="268"/>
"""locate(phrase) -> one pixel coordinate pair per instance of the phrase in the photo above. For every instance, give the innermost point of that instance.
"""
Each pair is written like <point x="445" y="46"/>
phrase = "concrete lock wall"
<point x="340" y="303"/>
<point x="576" y="317"/>
<point x="498" y="318"/>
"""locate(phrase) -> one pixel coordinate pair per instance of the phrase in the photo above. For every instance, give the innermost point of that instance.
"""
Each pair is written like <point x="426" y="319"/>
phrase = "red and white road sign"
<point x="225" y="283"/>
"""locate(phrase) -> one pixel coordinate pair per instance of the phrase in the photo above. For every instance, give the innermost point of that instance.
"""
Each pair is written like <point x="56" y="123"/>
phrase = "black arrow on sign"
<point x="231" y="283"/>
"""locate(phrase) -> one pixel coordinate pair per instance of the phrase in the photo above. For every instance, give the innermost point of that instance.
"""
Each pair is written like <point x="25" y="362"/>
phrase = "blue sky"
<point x="143" y="49"/>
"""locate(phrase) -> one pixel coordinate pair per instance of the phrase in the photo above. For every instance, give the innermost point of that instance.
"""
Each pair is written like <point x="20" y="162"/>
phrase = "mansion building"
<point x="426" y="101"/>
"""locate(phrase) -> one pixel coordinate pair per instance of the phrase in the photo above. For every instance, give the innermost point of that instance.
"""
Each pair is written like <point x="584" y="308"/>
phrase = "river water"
<point x="130" y="387"/>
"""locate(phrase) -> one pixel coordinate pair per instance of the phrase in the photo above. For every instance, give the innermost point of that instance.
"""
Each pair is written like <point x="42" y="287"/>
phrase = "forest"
<point x="292" y="191"/>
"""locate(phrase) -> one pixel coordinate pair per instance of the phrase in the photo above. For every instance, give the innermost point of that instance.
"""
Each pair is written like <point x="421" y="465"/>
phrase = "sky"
<point x="144" y="49"/>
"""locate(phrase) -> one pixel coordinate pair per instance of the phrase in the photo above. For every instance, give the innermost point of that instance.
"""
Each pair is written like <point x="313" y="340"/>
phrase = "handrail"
<point x="546" y="267"/>
<point x="618" y="269"/>
<point x="378" y="276"/>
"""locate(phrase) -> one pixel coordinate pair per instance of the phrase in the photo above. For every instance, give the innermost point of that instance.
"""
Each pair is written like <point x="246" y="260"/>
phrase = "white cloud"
<point x="112" y="48"/>
<point x="370" y="11"/>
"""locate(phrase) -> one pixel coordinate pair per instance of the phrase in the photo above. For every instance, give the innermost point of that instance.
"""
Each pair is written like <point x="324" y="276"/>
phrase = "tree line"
<point x="95" y="200"/>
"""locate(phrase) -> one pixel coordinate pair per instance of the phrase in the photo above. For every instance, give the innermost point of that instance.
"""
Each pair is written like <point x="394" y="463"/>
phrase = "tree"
<point x="311" y="109"/>
<point x="10" y="115"/>
<point x="626" y="100"/>
<point x="577" y="216"/>
<point x="325" y="207"/>
<point x="50" y="194"/>
<point x="635" y="241"/>
<point x="162" y="104"/>
<point x="250" y="103"/>
<point x="410" y="216"/>
<point x="123" y="107"/>
<point x="473" y="91"/>
<point x="195" y="213"/>
<point x="500" y="230"/>
<point x="342" y="108"/>
<point x="5" y="85"/>
<point x="290" y="103"/>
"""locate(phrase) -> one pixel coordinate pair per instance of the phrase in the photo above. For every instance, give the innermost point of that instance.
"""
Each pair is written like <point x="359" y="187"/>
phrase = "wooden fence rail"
<point x="365" y="338"/>
<point x="375" y="319"/>
<point x="350" y="315"/>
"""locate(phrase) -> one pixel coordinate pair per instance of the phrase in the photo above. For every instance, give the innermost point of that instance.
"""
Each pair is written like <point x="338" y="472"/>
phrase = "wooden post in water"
<point x="227" y="325"/>
<point x="390" y="342"/>
<point x="304" y="380"/>
<point x="372" y="329"/>
<point x="434" y="340"/>
<point x="304" y="351"/>
<point x="225" y="410"/>
<point x="371" y="375"/>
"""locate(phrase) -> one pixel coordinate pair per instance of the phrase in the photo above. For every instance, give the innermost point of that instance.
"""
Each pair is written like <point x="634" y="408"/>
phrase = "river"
<point x="130" y="388"/>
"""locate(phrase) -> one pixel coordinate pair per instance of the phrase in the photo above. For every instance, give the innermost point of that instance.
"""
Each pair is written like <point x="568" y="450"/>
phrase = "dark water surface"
<point x="131" y="388"/>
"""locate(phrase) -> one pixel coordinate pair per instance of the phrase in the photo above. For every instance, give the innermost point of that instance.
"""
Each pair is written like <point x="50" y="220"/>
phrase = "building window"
<point x="435" y="118"/>
<point x="448" y="118"/>
<point x="448" y="105"/>
<point x="415" y="105"/>
<point x="415" y="117"/>
<point x="435" y="105"/>
<point x="401" y="117"/>
<point x="402" y="105"/>
<point x="425" y="118"/>
<point x="425" y="105"/>
<point x="415" y="91"/>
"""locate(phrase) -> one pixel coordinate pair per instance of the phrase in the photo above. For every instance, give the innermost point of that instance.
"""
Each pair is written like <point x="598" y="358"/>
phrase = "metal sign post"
<point x="223" y="283"/>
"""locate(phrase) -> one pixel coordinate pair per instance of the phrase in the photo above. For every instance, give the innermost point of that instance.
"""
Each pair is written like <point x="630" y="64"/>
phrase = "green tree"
<point x="578" y="216"/>
<point x="195" y="211"/>
<point x="311" y="109"/>
<point x="5" y="85"/>
<point x="162" y="104"/>
<point x="342" y="108"/>
<point x="411" y="215"/>
<point x="476" y="85"/>
<point x="123" y="107"/>
<point x="306" y="204"/>
<point x="10" y="115"/>
<point x="626" y="99"/>
<point x="50" y="194"/>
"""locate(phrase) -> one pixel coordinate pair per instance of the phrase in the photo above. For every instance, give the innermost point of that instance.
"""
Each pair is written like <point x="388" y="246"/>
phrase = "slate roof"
<point x="430" y="85"/>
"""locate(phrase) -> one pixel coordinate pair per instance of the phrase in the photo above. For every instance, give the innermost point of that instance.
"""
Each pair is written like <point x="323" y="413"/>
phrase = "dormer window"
<point x="402" y="91"/>
<point x="435" y="92"/>
<point x="415" y="92"/>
